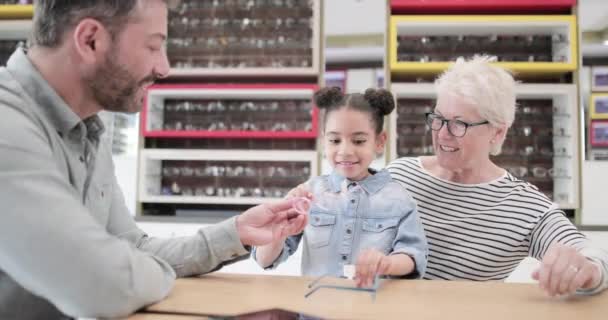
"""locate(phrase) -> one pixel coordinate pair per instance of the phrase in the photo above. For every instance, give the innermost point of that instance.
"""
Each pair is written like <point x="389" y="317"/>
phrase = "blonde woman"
<point x="480" y="220"/>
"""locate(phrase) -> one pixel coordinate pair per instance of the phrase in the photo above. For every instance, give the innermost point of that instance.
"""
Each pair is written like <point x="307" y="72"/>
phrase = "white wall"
<point x="595" y="188"/>
<point x="362" y="17"/>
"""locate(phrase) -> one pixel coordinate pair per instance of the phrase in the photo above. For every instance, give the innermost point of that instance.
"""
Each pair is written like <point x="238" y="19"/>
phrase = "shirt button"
<point x="380" y="226"/>
<point x="352" y="200"/>
<point x="344" y="257"/>
<point x="349" y="231"/>
<point x="81" y="158"/>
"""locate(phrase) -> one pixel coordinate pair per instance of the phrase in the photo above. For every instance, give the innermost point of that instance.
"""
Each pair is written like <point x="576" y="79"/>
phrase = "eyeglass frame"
<point x="427" y="117"/>
<point x="314" y="286"/>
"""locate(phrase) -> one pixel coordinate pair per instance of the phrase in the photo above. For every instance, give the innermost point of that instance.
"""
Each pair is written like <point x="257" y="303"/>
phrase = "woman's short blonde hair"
<point x="487" y="87"/>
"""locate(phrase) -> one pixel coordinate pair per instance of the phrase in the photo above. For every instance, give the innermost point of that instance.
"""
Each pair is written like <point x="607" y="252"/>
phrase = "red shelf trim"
<point x="232" y="134"/>
<point x="462" y="6"/>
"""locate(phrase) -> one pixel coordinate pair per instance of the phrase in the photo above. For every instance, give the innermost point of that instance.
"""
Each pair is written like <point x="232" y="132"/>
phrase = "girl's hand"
<point x="301" y="190"/>
<point x="370" y="263"/>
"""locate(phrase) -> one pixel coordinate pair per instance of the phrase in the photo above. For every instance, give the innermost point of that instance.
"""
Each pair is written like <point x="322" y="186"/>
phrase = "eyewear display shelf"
<point x="234" y="125"/>
<point x="598" y="126"/>
<point x="598" y="114"/>
<point x="536" y="40"/>
<point x="245" y="38"/>
<point x="523" y="44"/>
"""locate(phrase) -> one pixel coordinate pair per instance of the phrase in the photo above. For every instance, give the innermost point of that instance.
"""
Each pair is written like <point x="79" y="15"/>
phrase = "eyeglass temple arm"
<point x="315" y="281"/>
<point x="375" y="284"/>
<point x="372" y="290"/>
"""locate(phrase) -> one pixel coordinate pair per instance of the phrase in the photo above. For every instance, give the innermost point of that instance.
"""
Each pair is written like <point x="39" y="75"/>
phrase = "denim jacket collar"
<point x="371" y="184"/>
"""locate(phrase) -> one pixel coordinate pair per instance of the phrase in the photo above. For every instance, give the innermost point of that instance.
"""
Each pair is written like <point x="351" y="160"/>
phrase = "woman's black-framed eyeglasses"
<point x="457" y="128"/>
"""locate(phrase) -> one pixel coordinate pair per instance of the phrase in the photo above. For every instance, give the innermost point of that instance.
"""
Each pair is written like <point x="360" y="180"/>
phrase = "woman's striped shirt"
<point x="482" y="231"/>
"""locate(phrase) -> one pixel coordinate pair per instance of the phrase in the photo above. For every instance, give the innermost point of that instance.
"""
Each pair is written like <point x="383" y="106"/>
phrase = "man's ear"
<point x="381" y="142"/>
<point x="91" y="40"/>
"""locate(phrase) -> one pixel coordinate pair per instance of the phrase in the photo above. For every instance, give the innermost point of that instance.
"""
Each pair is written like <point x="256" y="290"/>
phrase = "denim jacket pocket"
<point x="379" y="233"/>
<point x="320" y="227"/>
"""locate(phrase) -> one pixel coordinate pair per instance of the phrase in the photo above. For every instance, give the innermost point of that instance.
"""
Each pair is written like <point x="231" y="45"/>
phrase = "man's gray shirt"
<point x="68" y="245"/>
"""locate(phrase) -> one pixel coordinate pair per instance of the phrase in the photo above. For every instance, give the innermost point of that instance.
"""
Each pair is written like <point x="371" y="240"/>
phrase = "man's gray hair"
<point x="53" y="17"/>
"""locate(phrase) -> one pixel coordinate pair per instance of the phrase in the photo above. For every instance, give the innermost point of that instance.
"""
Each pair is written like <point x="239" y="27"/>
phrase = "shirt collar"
<point x="47" y="101"/>
<point x="371" y="184"/>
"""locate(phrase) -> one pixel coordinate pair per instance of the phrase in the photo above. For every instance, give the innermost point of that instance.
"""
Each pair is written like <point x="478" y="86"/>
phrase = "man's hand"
<point x="269" y="222"/>
<point x="564" y="270"/>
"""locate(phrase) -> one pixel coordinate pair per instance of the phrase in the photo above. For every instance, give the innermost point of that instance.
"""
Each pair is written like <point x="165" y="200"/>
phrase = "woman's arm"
<point x="570" y="263"/>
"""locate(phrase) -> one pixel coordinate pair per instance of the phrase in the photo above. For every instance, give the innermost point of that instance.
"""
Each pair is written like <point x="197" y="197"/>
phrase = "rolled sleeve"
<point x="226" y="236"/>
<point x="600" y="258"/>
<point x="289" y="248"/>
<point x="411" y="239"/>
<point x="208" y="250"/>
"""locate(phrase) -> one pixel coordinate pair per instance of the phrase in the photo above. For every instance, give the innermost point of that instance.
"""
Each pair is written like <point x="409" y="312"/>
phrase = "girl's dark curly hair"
<point x="376" y="102"/>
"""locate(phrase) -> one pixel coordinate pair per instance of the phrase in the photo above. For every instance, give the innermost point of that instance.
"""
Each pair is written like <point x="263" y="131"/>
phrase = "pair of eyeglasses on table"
<point x="316" y="285"/>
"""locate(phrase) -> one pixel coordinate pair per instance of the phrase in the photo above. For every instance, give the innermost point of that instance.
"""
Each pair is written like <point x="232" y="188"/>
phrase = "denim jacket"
<point x="347" y="217"/>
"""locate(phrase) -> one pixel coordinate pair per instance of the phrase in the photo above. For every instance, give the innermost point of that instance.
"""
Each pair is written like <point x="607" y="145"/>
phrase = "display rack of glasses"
<point x="598" y="115"/>
<point x="234" y="125"/>
<point x="599" y="79"/>
<point x="187" y="121"/>
<point x="245" y="37"/>
<point x="245" y="177"/>
<point x="524" y="44"/>
<point x="541" y="147"/>
<point x="230" y="111"/>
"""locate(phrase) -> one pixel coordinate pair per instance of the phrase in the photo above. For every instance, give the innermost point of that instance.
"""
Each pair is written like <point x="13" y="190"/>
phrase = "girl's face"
<point x="351" y="143"/>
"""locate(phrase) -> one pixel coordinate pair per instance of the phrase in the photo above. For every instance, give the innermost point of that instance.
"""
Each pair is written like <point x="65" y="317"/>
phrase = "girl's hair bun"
<point x="328" y="97"/>
<point x="381" y="100"/>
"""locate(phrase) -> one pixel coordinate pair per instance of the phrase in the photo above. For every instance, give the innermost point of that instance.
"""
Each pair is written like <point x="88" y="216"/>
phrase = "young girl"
<point x="358" y="215"/>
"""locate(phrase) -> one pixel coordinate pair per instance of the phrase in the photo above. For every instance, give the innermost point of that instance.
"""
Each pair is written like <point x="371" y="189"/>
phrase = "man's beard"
<point x="114" y="88"/>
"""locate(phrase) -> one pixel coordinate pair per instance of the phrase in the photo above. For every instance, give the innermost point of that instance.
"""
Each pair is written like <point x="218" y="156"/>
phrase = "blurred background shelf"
<point x="523" y="44"/>
<point x="277" y="111"/>
<point x="219" y="177"/>
<point x="16" y="11"/>
<point x="233" y="39"/>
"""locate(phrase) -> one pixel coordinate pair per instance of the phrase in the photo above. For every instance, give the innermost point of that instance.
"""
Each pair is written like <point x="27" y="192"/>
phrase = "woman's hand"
<point x="564" y="270"/>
